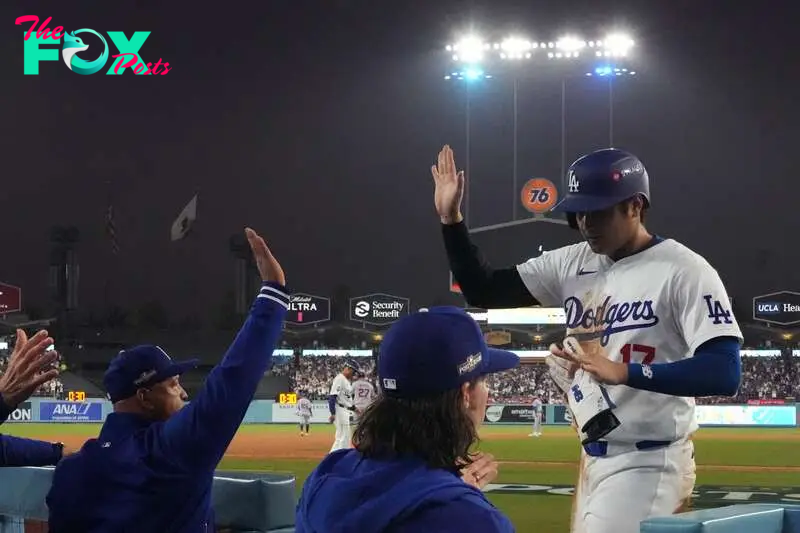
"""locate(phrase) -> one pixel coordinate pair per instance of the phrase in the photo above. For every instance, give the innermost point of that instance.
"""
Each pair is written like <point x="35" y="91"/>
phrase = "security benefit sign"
<point x="782" y="308"/>
<point x="71" y="412"/>
<point x="307" y="309"/>
<point x="21" y="414"/>
<point x="378" y="309"/>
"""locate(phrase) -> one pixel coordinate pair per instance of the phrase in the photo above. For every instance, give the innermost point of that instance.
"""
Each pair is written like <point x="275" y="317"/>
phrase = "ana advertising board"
<point x="378" y="309"/>
<point x="781" y="308"/>
<point x="308" y="309"/>
<point x="71" y="411"/>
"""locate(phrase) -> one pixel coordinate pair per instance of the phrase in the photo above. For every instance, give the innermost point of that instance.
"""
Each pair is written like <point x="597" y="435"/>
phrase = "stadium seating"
<point x="244" y="502"/>
<point x="755" y="518"/>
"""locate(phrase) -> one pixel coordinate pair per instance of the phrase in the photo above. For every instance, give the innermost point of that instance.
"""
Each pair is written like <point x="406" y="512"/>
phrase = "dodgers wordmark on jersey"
<point x="656" y="306"/>
<point x="343" y="391"/>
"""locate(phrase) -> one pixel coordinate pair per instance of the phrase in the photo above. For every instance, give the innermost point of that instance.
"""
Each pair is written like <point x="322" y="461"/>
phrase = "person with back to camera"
<point x="30" y="366"/>
<point x="151" y="468"/>
<point x="649" y="328"/>
<point x="411" y="470"/>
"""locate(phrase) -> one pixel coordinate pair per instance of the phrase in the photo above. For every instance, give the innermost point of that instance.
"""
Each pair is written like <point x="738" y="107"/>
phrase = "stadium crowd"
<point x="763" y="378"/>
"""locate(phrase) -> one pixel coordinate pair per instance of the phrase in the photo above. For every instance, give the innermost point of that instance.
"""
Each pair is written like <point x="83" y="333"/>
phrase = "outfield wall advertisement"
<point x="23" y="413"/>
<point x="287" y="413"/>
<point x="709" y="415"/>
<point x="269" y="411"/>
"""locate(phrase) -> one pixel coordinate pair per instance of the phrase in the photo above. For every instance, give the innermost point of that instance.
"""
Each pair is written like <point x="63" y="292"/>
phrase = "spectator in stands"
<point x="30" y="366"/>
<point x="152" y="467"/>
<point x="411" y="470"/>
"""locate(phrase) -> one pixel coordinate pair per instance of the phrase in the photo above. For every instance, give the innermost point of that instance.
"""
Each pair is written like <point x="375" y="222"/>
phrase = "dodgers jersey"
<point x="656" y="306"/>
<point x="363" y="393"/>
<point x="343" y="391"/>
<point x="304" y="407"/>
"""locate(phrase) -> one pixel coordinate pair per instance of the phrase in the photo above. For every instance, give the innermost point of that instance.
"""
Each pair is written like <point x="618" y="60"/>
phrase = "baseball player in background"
<point x="657" y="330"/>
<point x="341" y="405"/>
<point x="537" y="417"/>
<point x="304" y="410"/>
<point x="363" y="395"/>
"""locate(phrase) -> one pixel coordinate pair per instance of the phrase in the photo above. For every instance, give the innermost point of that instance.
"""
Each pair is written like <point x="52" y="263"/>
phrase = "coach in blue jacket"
<point x="152" y="467"/>
<point x="30" y="366"/>
<point x="407" y="473"/>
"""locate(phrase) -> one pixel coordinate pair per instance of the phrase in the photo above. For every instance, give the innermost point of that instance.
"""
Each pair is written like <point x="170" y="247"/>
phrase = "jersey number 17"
<point x="648" y="353"/>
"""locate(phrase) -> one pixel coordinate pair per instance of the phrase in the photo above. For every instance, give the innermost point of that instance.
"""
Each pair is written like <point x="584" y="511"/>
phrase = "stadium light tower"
<point x="517" y="57"/>
<point x="469" y="52"/>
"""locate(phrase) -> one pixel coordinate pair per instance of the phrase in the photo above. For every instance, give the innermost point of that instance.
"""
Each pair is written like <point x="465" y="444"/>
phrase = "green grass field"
<point x="726" y="458"/>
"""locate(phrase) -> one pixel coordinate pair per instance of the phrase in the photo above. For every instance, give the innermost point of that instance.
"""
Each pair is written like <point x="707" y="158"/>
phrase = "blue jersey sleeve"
<point x="16" y="451"/>
<point x="197" y="436"/>
<point x="714" y="370"/>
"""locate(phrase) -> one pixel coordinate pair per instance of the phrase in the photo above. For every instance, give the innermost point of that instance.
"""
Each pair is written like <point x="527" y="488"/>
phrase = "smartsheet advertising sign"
<point x="781" y="308"/>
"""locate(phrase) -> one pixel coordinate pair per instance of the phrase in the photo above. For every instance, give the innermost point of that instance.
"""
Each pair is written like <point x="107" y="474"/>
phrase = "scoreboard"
<point x="76" y="396"/>
<point x="287" y="398"/>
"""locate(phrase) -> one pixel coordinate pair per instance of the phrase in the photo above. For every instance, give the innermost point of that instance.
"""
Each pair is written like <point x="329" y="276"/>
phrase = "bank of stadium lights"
<point x="607" y="72"/>
<point x="468" y="74"/>
<point x="473" y="49"/>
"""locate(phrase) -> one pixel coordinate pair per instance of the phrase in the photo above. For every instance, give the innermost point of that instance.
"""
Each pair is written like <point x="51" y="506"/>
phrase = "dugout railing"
<point x="244" y="502"/>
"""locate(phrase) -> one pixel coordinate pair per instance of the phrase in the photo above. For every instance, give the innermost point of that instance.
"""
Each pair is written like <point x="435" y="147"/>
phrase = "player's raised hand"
<point x="268" y="266"/>
<point x="29" y="367"/>
<point x="449" y="191"/>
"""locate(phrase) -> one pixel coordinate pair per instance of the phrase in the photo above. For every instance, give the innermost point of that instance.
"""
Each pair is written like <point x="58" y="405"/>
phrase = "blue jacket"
<point x="16" y="451"/>
<point x="348" y="493"/>
<point x="156" y="477"/>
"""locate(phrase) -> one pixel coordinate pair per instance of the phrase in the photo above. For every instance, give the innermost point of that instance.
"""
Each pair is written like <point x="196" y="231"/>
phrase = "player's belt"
<point x="602" y="448"/>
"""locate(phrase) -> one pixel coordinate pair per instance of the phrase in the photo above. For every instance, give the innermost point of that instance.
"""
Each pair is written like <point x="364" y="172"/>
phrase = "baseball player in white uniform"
<point x="654" y="326"/>
<point x="537" y="417"/>
<point x="305" y="411"/>
<point x="341" y="405"/>
<point x="363" y="395"/>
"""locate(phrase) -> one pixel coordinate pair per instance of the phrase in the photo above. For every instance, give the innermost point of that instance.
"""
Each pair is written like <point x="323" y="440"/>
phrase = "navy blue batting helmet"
<point x="602" y="179"/>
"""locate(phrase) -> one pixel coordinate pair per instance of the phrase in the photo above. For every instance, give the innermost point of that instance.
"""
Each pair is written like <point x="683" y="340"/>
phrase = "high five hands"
<point x="449" y="191"/>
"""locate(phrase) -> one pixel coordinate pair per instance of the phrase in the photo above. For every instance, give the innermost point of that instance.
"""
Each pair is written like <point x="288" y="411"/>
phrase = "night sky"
<point x="316" y="122"/>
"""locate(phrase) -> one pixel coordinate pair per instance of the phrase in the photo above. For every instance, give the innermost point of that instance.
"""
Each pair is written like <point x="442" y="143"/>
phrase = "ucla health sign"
<point x="71" y="412"/>
<point x="781" y="308"/>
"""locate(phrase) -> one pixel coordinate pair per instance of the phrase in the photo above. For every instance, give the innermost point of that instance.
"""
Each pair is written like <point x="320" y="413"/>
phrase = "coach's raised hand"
<point x="449" y="190"/>
<point x="30" y="366"/>
<point x="268" y="266"/>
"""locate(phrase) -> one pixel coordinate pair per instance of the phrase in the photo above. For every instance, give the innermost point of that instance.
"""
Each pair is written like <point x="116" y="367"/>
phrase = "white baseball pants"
<point x="615" y="493"/>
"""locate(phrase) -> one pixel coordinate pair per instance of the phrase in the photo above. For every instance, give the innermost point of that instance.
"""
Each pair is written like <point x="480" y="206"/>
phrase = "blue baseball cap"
<point x="139" y="368"/>
<point x="435" y="351"/>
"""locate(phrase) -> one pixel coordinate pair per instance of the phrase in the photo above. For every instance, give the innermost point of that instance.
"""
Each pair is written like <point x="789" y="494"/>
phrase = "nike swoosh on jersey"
<point x="583" y="272"/>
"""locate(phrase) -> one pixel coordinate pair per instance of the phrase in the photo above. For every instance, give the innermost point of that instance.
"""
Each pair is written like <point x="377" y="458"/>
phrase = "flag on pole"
<point x="111" y="229"/>
<point x="183" y="224"/>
